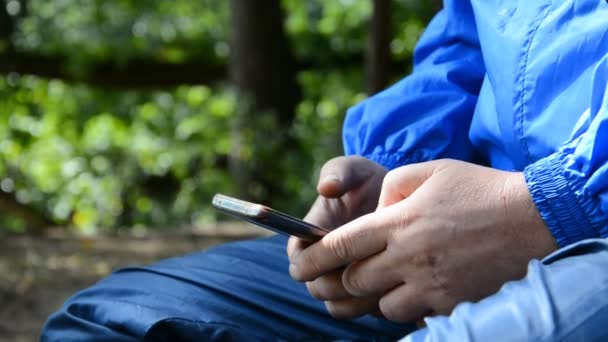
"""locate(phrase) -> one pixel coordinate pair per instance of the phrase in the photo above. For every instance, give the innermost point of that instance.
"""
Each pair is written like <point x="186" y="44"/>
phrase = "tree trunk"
<point x="6" y="28"/>
<point x="263" y="71"/>
<point x="34" y="219"/>
<point x="378" y="61"/>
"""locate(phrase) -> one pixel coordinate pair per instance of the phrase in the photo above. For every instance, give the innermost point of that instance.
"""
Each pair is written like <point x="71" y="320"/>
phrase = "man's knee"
<point x="211" y="292"/>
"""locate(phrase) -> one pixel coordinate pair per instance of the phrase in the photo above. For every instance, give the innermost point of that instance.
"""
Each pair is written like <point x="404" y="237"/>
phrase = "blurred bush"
<point x="92" y="157"/>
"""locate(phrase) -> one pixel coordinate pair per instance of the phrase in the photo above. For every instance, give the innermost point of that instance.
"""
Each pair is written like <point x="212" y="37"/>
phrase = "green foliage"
<point x="86" y="31"/>
<point x="94" y="158"/>
<point x="86" y="155"/>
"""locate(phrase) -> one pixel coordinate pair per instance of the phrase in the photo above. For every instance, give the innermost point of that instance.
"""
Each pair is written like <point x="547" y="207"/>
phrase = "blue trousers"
<point x="242" y="291"/>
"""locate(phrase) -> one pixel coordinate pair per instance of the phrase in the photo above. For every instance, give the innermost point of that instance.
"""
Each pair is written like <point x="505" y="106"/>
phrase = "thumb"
<point x="342" y="174"/>
<point x="400" y="183"/>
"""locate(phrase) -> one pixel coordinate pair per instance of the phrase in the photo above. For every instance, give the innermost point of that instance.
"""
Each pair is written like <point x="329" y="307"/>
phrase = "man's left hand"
<point x="445" y="232"/>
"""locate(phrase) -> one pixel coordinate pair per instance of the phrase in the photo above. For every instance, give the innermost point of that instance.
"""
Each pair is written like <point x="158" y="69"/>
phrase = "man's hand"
<point x="444" y="232"/>
<point x="348" y="188"/>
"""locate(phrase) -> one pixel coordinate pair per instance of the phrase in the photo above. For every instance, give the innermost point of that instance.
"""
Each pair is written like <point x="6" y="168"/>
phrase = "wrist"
<point x="524" y="217"/>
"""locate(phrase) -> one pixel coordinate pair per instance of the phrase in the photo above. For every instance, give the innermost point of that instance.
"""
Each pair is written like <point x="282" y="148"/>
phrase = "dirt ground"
<point x="38" y="273"/>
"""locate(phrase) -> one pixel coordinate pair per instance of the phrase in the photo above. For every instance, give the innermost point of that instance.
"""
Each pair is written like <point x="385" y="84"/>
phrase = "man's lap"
<point x="242" y="291"/>
<point x="235" y="291"/>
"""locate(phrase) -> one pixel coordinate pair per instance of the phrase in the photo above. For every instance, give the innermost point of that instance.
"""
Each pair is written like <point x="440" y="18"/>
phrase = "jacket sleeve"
<point x="427" y="115"/>
<point x="570" y="187"/>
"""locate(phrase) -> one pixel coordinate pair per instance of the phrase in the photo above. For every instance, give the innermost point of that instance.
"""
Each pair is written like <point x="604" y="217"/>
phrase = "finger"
<point x="372" y="276"/>
<point x="404" y="304"/>
<point x="400" y="183"/>
<point x="328" y="287"/>
<point x="352" y="307"/>
<point x="442" y="304"/>
<point x="295" y="245"/>
<point x="354" y="241"/>
<point x="341" y="174"/>
<point x="326" y="213"/>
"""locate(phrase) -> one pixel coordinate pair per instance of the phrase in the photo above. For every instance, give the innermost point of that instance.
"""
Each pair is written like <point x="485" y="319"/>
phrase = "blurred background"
<point x="119" y="120"/>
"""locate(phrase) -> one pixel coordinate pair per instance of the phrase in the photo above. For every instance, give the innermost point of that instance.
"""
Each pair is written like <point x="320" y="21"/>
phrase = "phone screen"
<point x="268" y="218"/>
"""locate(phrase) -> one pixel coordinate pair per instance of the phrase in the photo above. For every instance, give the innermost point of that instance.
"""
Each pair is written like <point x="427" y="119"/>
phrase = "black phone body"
<point x="268" y="218"/>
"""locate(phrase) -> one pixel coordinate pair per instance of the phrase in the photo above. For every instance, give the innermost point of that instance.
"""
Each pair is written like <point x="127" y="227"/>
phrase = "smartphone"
<point x="268" y="218"/>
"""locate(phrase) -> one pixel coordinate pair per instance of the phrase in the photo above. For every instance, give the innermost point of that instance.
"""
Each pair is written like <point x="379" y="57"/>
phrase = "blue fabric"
<point x="561" y="299"/>
<point x="570" y="187"/>
<point x="427" y="115"/>
<point x="239" y="292"/>
<point x="504" y="83"/>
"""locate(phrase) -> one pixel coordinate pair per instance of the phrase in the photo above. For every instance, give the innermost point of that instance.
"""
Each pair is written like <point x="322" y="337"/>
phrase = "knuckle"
<point x="325" y="288"/>
<point x="339" y="310"/>
<point x="356" y="158"/>
<point x="339" y="159"/>
<point x="313" y="265"/>
<point x="422" y="254"/>
<point x="389" y="179"/>
<point x="341" y="248"/>
<point x="294" y="272"/>
<point x="314" y="290"/>
<point x="333" y="164"/>
<point x="390" y="310"/>
<point x="361" y="164"/>
<point x="416" y="211"/>
<point x="332" y="309"/>
<point x="307" y="269"/>
<point x="426" y="258"/>
<point x="353" y="284"/>
<point x="292" y="248"/>
<point x="441" y="284"/>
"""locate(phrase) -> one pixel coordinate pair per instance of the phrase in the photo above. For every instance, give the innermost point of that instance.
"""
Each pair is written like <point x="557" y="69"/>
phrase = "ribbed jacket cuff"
<point x="394" y="160"/>
<point x="568" y="213"/>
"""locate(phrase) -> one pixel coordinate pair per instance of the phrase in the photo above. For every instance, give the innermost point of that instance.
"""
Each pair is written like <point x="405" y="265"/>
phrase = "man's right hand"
<point x="348" y="187"/>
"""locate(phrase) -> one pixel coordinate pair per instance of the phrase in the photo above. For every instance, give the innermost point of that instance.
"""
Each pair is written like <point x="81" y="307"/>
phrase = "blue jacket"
<point x="517" y="85"/>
